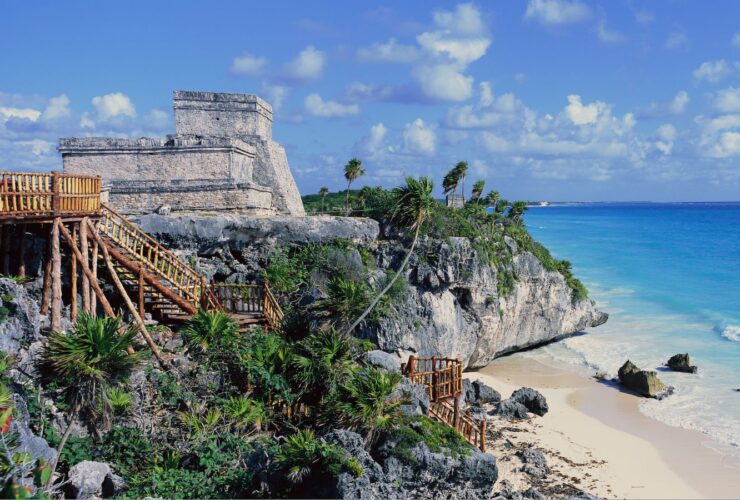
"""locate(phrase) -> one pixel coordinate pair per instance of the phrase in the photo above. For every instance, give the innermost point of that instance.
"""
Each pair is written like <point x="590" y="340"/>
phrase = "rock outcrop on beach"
<point x="681" y="363"/>
<point x="453" y="306"/>
<point x="643" y="382"/>
<point x="521" y="402"/>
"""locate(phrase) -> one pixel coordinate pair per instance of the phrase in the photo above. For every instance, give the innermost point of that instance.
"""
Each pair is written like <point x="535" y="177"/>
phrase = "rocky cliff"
<point x="453" y="305"/>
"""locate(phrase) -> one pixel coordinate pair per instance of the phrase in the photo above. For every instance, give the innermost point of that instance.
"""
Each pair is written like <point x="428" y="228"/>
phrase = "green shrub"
<point x="439" y="437"/>
<point x="304" y="456"/>
<point x="119" y="400"/>
<point x="209" y="328"/>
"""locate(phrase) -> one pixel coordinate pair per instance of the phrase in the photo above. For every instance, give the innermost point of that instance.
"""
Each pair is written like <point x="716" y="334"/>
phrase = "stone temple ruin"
<point x="221" y="157"/>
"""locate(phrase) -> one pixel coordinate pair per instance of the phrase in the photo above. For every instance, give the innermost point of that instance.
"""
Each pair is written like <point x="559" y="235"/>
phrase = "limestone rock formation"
<point x="531" y="399"/>
<point x="681" y="363"/>
<point x="93" y="480"/>
<point x="535" y="463"/>
<point x="479" y="393"/>
<point x="643" y="382"/>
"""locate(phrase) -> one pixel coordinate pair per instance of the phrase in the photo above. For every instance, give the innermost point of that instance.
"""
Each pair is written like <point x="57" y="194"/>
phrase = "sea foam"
<point x="730" y="332"/>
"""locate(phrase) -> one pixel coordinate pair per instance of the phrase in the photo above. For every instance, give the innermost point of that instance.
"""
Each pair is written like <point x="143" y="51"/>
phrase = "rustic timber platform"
<point x="159" y="281"/>
<point x="443" y="380"/>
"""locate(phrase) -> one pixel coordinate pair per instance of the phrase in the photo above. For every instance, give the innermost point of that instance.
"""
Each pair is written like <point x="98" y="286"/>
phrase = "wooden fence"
<point x="239" y="298"/>
<point x="441" y="376"/>
<point x="473" y="432"/>
<point x="29" y="195"/>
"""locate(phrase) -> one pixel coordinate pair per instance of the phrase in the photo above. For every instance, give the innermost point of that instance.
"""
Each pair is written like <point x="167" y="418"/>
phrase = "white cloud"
<point x="316" y="106"/>
<point x="727" y="100"/>
<point x="248" y="65"/>
<point x="307" y="66"/>
<point x="676" y="40"/>
<point x="490" y="110"/>
<point x="419" y="138"/>
<point x="557" y="12"/>
<point x="57" y="108"/>
<point x="608" y="35"/>
<point x="275" y="95"/>
<point x="667" y="134"/>
<point x="113" y="105"/>
<point x="580" y="114"/>
<point x="22" y="113"/>
<point x="464" y="20"/>
<point x="157" y="120"/>
<point x="444" y="82"/>
<point x="86" y="121"/>
<point x="391" y="51"/>
<point x="678" y="104"/>
<point x="372" y="144"/>
<point x="712" y="71"/>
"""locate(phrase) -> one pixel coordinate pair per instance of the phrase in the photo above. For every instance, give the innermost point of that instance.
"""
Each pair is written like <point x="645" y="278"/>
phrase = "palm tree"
<point x="516" y="211"/>
<point x="501" y="206"/>
<point x="450" y="182"/>
<point x="364" y="402"/>
<point x="462" y="170"/>
<point x="414" y="205"/>
<point x="206" y="328"/>
<point x="325" y="359"/>
<point x="87" y="362"/>
<point x="477" y="190"/>
<point x="352" y="170"/>
<point x="492" y="198"/>
<point x="322" y="193"/>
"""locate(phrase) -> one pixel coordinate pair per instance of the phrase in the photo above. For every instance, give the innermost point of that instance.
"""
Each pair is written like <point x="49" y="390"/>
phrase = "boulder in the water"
<point x="681" y="363"/>
<point x="644" y="382"/>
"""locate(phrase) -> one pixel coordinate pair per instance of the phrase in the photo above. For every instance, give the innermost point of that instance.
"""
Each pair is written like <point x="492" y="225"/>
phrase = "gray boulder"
<point x="478" y="393"/>
<point x="681" y="363"/>
<point x="93" y="479"/>
<point x="535" y="463"/>
<point x="509" y="409"/>
<point x="382" y="359"/>
<point x="415" y="396"/>
<point x="644" y="382"/>
<point x="531" y="399"/>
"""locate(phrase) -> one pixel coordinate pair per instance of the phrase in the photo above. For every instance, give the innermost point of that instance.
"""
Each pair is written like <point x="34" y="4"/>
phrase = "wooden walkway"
<point x="147" y="275"/>
<point x="443" y="380"/>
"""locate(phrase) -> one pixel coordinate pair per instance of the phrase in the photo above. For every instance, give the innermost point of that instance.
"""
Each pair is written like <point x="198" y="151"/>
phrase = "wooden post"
<point x="410" y="366"/>
<point x="435" y="391"/>
<point x="126" y="298"/>
<point x="94" y="258"/>
<point x="456" y="414"/>
<point x="21" y="237"/>
<point x="56" y="277"/>
<point x="56" y="187"/>
<point x="483" y="435"/>
<point x="6" y="249"/>
<point x="46" y="293"/>
<point x="141" y="292"/>
<point x="85" y="255"/>
<point x="73" y="279"/>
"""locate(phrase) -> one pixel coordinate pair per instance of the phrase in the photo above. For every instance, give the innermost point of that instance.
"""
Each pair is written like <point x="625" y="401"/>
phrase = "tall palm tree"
<point x="477" y="190"/>
<point x="450" y="182"/>
<point x="501" y="206"/>
<point x="462" y="170"/>
<point x="322" y="193"/>
<point x="352" y="170"/>
<point x="414" y="205"/>
<point x="492" y="198"/>
<point x="87" y="362"/>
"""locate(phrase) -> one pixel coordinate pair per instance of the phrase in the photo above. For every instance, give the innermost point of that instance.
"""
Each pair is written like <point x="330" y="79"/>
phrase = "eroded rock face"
<point x="531" y="399"/>
<point x="452" y="307"/>
<point x="643" y="382"/>
<point x="93" y="480"/>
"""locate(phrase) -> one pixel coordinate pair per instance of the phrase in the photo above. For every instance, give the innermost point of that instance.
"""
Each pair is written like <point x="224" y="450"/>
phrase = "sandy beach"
<point x="595" y="439"/>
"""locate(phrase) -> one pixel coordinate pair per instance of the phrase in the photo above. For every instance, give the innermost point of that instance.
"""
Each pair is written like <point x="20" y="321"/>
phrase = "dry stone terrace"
<point x="221" y="158"/>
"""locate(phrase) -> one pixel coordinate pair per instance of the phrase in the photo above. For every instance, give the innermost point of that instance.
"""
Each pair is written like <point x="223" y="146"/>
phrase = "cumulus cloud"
<point x="712" y="71"/>
<point x="489" y="111"/>
<point x="666" y="135"/>
<point x="57" y="108"/>
<point x="372" y="143"/>
<point x="440" y="58"/>
<point x="557" y="12"/>
<point x="658" y="109"/>
<point x="248" y="65"/>
<point x="676" y="40"/>
<point x="419" y="138"/>
<point x="307" y="66"/>
<point x="23" y="113"/>
<point x="583" y="115"/>
<point x="727" y="100"/>
<point x="316" y="106"/>
<point x="113" y="105"/>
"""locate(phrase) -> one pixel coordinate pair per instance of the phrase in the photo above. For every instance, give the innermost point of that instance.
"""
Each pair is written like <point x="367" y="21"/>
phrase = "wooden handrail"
<point x="28" y="194"/>
<point x="473" y="432"/>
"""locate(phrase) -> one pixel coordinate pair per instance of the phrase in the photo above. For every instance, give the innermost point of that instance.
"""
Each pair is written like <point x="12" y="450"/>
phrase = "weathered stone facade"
<point x="222" y="157"/>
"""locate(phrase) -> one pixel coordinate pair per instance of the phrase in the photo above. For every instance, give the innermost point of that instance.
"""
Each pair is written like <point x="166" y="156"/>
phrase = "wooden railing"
<point x="441" y="376"/>
<point x="48" y="194"/>
<point x="182" y="278"/>
<point x="272" y="310"/>
<point x="239" y="298"/>
<point x="473" y="432"/>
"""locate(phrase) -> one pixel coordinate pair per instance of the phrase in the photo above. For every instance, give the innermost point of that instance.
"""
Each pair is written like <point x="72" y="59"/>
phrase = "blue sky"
<point x="546" y="99"/>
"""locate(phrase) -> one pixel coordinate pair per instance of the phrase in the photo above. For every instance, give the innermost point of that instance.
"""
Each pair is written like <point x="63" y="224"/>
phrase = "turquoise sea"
<point x="669" y="277"/>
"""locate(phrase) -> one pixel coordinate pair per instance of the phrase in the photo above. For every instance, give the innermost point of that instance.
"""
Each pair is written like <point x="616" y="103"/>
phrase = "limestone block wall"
<point x="271" y="169"/>
<point x="221" y="114"/>
<point x="141" y="197"/>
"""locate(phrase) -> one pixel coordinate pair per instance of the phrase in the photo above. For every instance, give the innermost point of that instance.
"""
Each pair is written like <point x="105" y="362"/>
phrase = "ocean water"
<point x="669" y="277"/>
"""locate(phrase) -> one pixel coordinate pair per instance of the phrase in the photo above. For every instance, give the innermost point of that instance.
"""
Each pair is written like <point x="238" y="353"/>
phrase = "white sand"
<point x="595" y="439"/>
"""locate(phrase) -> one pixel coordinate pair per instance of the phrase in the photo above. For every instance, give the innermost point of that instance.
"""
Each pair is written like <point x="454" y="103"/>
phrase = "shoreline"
<point x="595" y="438"/>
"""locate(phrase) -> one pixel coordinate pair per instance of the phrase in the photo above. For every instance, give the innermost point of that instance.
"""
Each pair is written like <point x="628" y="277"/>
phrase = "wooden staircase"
<point x="171" y="288"/>
<point x="442" y="378"/>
